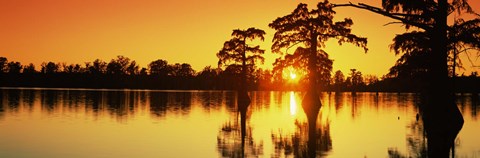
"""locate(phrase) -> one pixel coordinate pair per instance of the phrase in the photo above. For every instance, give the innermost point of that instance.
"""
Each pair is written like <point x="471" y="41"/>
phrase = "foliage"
<point x="158" y="67"/>
<point x="181" y="70"/>
<point x="428" y="51"/>
<point x="338" y="77"/>
<point x="121" y="66"/>
<point x="14" y="67"/>
<point x="29" y="69"/>
<point x="311" y="28"/>
<point x="3" y="64"/>
<point x="50" y="68"/>
<point x="234" y="51"/>
<point x="98" y="67"/>
<point x="234" y="55"/>
<point x="299" y="61"/>
<point x="416" y="49"/>
<point x="355" y="78"/>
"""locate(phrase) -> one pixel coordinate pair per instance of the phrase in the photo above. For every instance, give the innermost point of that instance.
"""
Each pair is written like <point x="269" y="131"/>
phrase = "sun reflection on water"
<point x="293" y="104"/>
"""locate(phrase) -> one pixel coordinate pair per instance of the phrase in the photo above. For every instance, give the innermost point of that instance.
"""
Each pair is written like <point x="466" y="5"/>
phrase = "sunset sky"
<point x="179" y="31"/>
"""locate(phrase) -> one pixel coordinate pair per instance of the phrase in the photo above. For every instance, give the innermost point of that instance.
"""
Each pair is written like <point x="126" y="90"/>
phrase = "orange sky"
<point x="191" y="31"/>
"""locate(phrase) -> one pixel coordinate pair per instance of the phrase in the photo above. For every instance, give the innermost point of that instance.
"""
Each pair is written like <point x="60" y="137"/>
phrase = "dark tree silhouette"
<point x="370" y="79"/>
<point x="143" y="71"/>
<point x="158" y="67"/>
<point x="208" y="72"/>
<point x="442" y="118"/>
<point x="355" y="79"/>
<point x="184" y="70"/>
<point x="119" y="66"/>
<point x="338" y="80"/>
<point x="14" y="67"/>
<point x="312" y="28"/>
<point x="463" y="37"/>
<point x="299" y="61"/>
<point x="29" y="69"/>
<point x="414" y="61"/>
<point x="50" y="68"/>
<point x="234" y="52"/>
<point x="133" y="68"/>
<point x="431" y="17"/>
<point x="263" y="79"/>
<point x="3" y="64"/>
<point x="97" y="67"/>
<point x="208" y="78"/>
<point x="73" y="68"/>
<point x="309" y="139"/>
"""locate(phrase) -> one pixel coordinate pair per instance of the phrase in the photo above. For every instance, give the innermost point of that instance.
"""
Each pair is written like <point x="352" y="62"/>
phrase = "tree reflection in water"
<point x="235" y="141"/>
<point x="435" y="130"/>
<point x="308" y="139"/>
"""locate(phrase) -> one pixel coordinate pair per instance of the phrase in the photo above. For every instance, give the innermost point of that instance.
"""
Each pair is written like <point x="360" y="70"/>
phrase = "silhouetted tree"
<point x="181" y="70"/>
<point x="356" y="77"/>
<point x="442" y="117"/>
<point x="158" y="67"/>
<point x="29" y="69"/>
<point x="263" y="79"/>
<point x="370" y="79"/>
<point x="208" y="72"/>
<point x="416" y="49"/>
<point x="50" y="68"/>
<point x="234" y="51"/>
<point x="133" y="68"/>
<point x="414" y="62"/>
<point x="338" y="80"/>
<point x="3" y="64"/>
<point x="463" y="36"/>
<point x="120" y="66"/>
<point x="97" y="67"/>
<point x="431" y="18"/>
<point x="143" y="71"/>
<point x="73" y="68"/>
<point x="208" y="77"/>
<point x="185" y="70"/>
<point x="299" y="61"/>
<point x="312" y="28"/>
<point x="14" y="67"/>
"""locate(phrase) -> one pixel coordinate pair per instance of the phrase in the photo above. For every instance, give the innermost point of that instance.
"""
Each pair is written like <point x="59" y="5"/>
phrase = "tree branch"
<point x="390" y="23"/>
<point x="396" y="16"/>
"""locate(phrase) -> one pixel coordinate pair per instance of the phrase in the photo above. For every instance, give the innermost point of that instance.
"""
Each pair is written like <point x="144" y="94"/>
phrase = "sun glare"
<point x="293" y="104"/>
<point x="293" y="75"/>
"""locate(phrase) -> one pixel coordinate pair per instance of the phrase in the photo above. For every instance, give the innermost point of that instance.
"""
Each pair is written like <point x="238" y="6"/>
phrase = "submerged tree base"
<point x="442" y="122"/>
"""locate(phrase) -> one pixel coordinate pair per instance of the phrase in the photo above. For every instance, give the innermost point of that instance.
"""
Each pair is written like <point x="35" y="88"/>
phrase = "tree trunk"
<point x="311" y="101"/>
<point x="442" y="118"/>
<point x="243" y="86"/>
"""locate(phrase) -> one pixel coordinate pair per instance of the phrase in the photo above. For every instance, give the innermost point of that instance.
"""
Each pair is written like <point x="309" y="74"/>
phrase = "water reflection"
<point x="235" y="142"/>
<point x="435" y="133"/>
<point x="309" y="140"/>
<point x="117" y="103"/>
<point x="416" y="142"/>
<point x="220" y="124"/>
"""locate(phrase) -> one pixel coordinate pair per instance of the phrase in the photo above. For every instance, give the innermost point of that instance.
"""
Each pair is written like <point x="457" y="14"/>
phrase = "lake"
<point x="141" y="123"/>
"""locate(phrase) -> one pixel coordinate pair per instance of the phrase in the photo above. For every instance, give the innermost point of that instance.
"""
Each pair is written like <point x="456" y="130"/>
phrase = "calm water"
<point x="104" y="123"/>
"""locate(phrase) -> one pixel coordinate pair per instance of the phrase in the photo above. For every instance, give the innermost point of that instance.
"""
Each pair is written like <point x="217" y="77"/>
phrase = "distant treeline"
<point x="123" y="72"/>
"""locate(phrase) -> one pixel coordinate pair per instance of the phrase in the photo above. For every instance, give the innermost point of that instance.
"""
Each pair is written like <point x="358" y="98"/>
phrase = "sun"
<point x="293" y="76"/>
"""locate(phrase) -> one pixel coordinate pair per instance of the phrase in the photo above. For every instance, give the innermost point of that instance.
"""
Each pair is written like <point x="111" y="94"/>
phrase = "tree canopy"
<point x="237" y="54"/>
<point x="312" y="28"/>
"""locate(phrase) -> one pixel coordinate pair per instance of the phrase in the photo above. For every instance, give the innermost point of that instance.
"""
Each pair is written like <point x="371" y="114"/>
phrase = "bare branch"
<point x="396" y="16"/>
<point x="391" y="23"/>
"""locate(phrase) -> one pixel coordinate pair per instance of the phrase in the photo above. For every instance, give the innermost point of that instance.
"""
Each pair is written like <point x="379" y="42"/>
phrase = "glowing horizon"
<point x="78" y="31"/>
